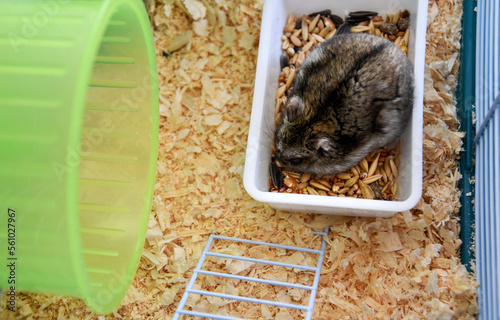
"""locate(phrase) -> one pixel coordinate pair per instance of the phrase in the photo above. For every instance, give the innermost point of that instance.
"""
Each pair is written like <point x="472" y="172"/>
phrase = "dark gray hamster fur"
<point x="352" y="95"/>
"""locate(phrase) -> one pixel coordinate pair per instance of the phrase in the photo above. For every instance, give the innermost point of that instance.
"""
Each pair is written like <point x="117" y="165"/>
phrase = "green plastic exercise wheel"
<point x="78" y="146"/>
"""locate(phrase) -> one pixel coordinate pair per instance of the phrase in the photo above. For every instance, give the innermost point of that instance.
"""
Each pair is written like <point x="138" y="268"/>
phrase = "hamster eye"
<point x="296" y="161"/>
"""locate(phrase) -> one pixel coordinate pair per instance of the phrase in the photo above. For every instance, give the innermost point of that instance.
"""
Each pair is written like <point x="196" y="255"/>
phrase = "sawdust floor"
<point x="404" y="267"/>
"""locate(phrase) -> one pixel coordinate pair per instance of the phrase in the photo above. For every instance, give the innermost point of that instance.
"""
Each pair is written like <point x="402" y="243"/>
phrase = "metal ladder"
<point x="206" y="252"/>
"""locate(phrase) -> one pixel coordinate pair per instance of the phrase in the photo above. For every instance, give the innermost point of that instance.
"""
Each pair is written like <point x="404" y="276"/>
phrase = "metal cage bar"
<point x="487" y="143"/>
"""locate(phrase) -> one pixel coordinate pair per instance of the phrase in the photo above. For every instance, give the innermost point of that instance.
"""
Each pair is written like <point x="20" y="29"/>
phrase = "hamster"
<point x="353" y="94"/>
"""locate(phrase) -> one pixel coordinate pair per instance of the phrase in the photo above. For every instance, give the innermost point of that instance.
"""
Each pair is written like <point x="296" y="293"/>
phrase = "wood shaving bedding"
<point x="404" y="267"/>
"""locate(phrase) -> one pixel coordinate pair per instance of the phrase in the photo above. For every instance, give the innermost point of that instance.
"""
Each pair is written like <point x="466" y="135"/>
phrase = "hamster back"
<point x="352" y="95"/>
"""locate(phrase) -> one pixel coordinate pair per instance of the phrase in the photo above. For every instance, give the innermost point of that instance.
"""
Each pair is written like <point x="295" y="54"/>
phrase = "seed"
<point x="289" y="27"/>
<point x="323" y="13"/>
<point x="305" y="31"/>
<point x="281" y="91"/>
<point x="329" y="23"/>
<point x="336" y="20"/>
<point x="325" y="31"/>
<point x="373" y="166"/>
<point x="296" y="32"/>
<point x="284" y="60"/>
<point x="305" y="177"/>
<point x="387" y="167"/>
<point x="390" y="177"/>
<point x="321" y="25"/>
<point x="290" y="51"/>
<point x="366" y="191"/>
<point x="372" y="27"/>
<point x="398" y="41"/>
<point x="384" y="189"/>
<point x="331" y="34"/>
<point x="394" y="168"/>
<point x="362" y="14"/>
<point x="318" y="185"/>
<point x="343" y="190"/>
<point x="372" y="179"/>
<point x="384" y="176"/>
<point x="301" y="57"/>
<point x="395" y="18"/>
<point x="376" y="151"/>
<point x="344" y="176"/>
<point x="302" y="185"/>
<point x="292" y="174"/>
<point x="314" y="22"/>
<point x="406" y="37"/>
<point x="285" y="44"/>
<point x="354" y="171"/>
<point x="291" y="18"/>
<point x="351" y="192"/>
<point x="295" y="41"/>
<point x="349" y="183"/>
<point x="318" y="38"/>
<point x="364" y="165"/>
<point x="290" y="182"/>
<point x="308" y="46"/>
<point x="290" y="78"/>
<point x="276" y="175"/>
<point x="394" y="188"/>
<point x="357" y="29"/>
<point x="312" y="191"/>
<point x="324" y="182"/>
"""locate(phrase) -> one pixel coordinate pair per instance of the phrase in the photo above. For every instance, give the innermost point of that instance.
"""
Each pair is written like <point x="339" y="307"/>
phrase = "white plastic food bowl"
<point x="259" y="147"/>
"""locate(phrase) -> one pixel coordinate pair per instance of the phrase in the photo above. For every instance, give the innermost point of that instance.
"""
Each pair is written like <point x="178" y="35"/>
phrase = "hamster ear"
<point x="294" y="108"/>
<point x="324" y="144"/>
